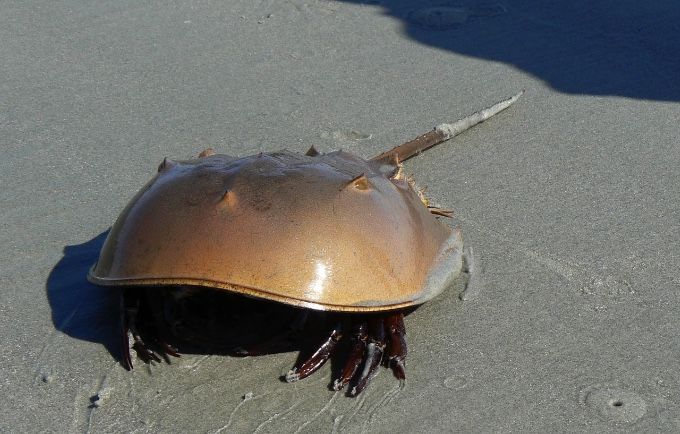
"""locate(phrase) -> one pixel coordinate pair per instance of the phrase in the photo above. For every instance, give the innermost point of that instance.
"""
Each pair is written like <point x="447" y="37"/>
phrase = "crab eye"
<point x="359" y="182"/>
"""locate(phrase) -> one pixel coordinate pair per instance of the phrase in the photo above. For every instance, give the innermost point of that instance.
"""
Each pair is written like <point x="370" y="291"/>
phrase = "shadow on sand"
<point x="79" y="308"/>
<point x="603" y="47"/>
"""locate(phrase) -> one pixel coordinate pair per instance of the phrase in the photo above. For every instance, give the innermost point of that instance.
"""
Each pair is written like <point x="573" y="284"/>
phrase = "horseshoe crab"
<point x="321" y="232"/>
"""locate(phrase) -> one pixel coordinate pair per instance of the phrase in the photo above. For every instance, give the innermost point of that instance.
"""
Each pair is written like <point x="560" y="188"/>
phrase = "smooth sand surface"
<point x="569" y="199"/>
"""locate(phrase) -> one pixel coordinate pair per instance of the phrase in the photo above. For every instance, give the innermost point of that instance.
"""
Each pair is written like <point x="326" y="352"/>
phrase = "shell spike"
<point x="228" y="199"/>
<point x="440" y="211"/>
<point x="312" y="152"/>
<point x="166" y="164"/>
<point x="399" y="172"/>
<point x="208" y="152"/>
<point x="390" y="167"/>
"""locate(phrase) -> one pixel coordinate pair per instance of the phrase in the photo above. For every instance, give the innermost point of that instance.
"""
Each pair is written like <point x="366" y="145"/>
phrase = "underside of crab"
<point x="161" y="321"/>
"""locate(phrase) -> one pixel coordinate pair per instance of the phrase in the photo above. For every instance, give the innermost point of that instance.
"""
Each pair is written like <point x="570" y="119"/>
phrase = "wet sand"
<point x="569" y="200"/>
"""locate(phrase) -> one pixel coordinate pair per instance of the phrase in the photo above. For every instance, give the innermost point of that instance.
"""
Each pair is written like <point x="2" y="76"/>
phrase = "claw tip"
<point x="292" y="376"/>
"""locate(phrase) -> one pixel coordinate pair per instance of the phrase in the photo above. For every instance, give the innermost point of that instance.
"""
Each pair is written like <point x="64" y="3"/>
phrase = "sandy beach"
<point x="570" y="200"/>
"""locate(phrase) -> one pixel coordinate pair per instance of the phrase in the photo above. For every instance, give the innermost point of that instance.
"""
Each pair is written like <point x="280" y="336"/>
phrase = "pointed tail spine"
<point x="442" y="133"/>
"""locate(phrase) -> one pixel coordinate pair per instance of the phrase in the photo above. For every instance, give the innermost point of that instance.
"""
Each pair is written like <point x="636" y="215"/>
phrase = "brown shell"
<point x="330" y="232"/>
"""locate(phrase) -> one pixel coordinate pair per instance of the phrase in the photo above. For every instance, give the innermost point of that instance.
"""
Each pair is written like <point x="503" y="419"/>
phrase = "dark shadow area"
<point x="602" y="47"/>
<point x="79" y="308"/>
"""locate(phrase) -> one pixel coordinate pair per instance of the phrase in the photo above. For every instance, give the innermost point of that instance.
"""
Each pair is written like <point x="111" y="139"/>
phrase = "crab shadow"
<point x="625" y="48"/>
<point x="80" y="309"/>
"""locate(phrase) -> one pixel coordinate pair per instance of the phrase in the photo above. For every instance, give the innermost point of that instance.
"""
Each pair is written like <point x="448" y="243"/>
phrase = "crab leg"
<point x="169" y="349"/>
<point x="125" y="335"/>
<point x="131" y="310"/>
<point x="374" y="353"/>
<point x="396" y="346"/>
<point x="356" y="355"/>
<point x="130" y="306"/>
<point x="154" y="305"/>
<point x="317" y="359"/>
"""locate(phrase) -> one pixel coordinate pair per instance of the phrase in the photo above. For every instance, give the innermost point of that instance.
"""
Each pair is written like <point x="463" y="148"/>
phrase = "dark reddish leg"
<point x="169" y="349"/>
<point x="317" y="359"/>
<point x="374" y="353"/>
<point x="356" y="355"/>
<point x="131" y="306"/>
<point x="396" y="346"/>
